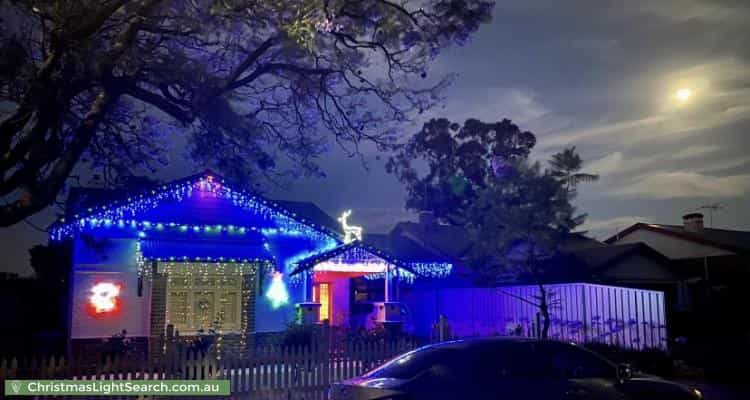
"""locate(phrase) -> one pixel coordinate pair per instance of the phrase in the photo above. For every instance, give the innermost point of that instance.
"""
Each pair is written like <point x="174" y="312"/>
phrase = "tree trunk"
<point x="544" y="310"/>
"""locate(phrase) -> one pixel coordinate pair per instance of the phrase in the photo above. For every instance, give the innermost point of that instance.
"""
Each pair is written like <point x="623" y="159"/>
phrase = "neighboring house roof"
<point x="312" y="213"/>
<point x="579" y="241"/>
<point x="737" y="241"/>
<point x="446" y="240"/>
<point x="599" y="258"/>
<point x="403" y="248"/>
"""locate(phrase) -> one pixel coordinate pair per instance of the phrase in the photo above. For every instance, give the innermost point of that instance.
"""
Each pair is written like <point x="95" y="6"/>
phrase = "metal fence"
<point x="580" y="312"/>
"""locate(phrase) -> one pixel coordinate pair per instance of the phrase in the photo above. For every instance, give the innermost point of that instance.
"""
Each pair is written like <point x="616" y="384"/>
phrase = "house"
<point x="714" y="267"/>
<point x="198" y="254"/>
<point x="689" y="241"/>
<point x="703" y="257"/>
<point x="582" y="259"/>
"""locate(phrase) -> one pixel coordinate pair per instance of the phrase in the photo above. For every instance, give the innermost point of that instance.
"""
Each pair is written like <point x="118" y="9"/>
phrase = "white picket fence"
<point x="272" y="372"/>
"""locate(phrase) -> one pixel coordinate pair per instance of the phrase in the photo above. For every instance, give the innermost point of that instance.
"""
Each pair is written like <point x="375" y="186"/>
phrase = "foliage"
<point x="52" y="264"/>
<point x="652" y="361"/>
<point x="479" y="176"/>
<point x="201" y="343"/>
<point x="461" y="161"/>
<point x="252" y="88"/>
<point x="566" y="166"/>
<point x="297" y="334"/>
<point x="519" y="221"/>
<point x="118" y="345"/>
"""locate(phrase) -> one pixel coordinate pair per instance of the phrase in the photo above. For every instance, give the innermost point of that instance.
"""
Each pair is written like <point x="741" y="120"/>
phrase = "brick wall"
<point x="158" y="314"/>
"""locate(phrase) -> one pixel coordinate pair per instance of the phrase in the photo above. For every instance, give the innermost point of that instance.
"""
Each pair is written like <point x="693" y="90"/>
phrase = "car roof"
<point x="472" y="342"/>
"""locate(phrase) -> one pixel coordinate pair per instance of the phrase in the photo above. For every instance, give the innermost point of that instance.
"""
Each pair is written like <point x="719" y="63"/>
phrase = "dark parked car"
<point x="506" y="368"/>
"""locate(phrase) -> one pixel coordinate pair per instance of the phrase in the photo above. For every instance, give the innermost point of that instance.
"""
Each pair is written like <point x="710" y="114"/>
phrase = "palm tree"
<point x="565" y="167"/>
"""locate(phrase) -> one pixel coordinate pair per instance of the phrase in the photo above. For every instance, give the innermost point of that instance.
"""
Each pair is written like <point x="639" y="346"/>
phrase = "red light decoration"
<point x="103" y="298"/>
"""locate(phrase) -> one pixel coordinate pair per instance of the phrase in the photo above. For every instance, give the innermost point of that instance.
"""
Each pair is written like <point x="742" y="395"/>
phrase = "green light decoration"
<point x="277" y="293"/>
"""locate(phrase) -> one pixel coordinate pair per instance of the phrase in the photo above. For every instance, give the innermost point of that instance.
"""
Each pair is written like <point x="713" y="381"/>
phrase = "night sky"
<point x="594" y="74"/>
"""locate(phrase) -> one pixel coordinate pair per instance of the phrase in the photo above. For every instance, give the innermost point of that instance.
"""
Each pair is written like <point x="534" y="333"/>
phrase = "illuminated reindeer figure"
<point x="351" y="232"/>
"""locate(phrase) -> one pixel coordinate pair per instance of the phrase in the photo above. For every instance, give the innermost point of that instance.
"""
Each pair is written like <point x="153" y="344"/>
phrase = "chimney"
<point x="427" y="218"/>
<point x="693" y="222"/>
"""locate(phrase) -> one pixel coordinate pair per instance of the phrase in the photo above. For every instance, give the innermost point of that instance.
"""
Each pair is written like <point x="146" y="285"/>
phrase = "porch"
<point x="354" y="286"/>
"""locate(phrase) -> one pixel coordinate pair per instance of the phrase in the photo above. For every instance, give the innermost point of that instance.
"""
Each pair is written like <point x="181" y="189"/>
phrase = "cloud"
<point x="603" y="228"/>
<point x="617" y="163"/>
<point x="722" y="97"/>
<point x="494" y="104"/>
<point x="620" y="163"/>
<point x="670" y="185"/>
<point x="605" y="129"/>
<point x="694" y="151"/>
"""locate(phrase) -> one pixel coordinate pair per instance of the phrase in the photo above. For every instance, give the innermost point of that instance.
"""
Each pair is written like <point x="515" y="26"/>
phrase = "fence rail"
<point x="271" y="372"/>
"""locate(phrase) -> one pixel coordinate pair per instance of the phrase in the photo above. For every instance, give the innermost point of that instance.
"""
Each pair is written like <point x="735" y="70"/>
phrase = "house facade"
<point x="197" y="255"/>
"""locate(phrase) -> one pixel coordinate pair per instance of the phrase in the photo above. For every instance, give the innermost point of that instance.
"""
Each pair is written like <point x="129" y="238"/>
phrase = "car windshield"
<point x="408" y="365"/>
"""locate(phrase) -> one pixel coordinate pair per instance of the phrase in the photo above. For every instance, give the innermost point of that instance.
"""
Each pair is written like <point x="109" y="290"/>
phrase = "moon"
<point x="683" y="95"/>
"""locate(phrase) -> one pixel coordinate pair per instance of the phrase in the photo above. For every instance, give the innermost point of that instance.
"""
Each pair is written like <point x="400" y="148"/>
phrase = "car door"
<point x="512" y="369"/>
<point x="580" y="374"/>
<point x="451" y="374"/>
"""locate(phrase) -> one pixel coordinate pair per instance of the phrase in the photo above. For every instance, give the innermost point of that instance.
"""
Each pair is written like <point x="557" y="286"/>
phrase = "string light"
<point x="183" y="278"/>
<point x="351" y="232"/>
<point x="359" y="257"/>
<point x="124" y="216"/>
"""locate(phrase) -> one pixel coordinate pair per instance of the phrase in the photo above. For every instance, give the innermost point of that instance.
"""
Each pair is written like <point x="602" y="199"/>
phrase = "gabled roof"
<point x="737" y="241"/>
<point x="311" y="261"/>
<point x="107" y="204"/>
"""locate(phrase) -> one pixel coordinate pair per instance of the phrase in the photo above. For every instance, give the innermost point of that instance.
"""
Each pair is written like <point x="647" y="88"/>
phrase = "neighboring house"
<point x="634" y="265"/>
<point x="583" y="260"/>
<point x="198" y="254"/>
<point x="719" y="257"/>
<point x="714" y="267"/>
<point x="691" y="240"/>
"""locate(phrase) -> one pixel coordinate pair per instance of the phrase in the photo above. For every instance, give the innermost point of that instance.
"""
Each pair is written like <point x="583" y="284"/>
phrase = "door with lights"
<point x="322" y="295"/>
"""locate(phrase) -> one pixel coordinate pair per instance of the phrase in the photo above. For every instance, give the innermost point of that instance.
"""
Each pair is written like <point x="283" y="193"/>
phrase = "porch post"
<point x="304" y="287"/>
<point x="387" y="281"/>
<point x="397" y="286"/>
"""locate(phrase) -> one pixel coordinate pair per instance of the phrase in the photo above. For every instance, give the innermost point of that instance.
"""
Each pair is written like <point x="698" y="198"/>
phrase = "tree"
<point x="251" y="88"/>
<point x="460" y="160"/>
<point x="478" y="176"/>
<point x="566" y="166"/>
<point x="517" y="225"/>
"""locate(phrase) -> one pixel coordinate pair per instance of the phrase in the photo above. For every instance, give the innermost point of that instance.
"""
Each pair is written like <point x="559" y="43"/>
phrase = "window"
<point x="322" y="294"/>
<point x="507" y="360"/>
<point x="409" y="365"/>
<point x="567" y="361"/>
<point x="200" y="299"/>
